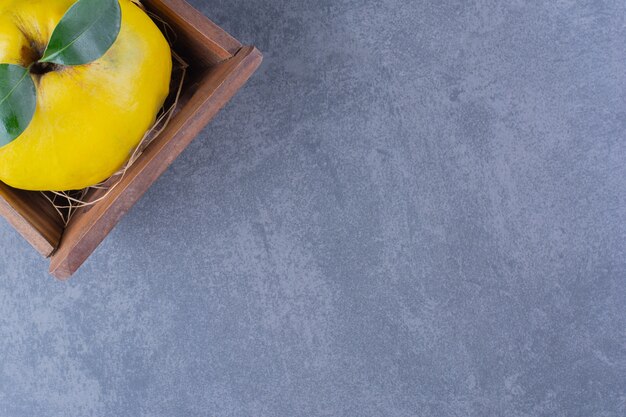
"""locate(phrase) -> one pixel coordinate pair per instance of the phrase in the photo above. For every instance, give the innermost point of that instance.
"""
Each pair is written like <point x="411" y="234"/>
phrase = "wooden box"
<point x="218" y="66"/>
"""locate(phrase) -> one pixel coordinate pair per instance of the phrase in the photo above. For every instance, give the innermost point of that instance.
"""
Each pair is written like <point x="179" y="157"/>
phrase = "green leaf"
<point x="85" y="33"/>
<point x="18" y="100"/>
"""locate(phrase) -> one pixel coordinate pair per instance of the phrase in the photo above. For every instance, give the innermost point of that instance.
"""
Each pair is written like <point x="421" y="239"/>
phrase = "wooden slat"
<point x="89" y="227"/>
<point x="33" y="217"/>
<point x="200" y="38"/>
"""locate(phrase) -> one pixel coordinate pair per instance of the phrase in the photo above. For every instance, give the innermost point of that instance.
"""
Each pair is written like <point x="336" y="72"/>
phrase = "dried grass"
<point x="66" y="203"/>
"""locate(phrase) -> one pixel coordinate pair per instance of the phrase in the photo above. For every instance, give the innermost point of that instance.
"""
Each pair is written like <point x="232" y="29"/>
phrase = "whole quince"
<point x="88" y="118"/>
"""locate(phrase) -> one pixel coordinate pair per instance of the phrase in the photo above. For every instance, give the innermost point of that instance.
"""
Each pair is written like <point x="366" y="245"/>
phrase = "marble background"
<point x="415" y="208"/>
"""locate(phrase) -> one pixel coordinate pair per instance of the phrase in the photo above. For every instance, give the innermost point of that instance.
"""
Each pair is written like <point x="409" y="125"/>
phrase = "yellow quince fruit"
<point x="89" y="118"/>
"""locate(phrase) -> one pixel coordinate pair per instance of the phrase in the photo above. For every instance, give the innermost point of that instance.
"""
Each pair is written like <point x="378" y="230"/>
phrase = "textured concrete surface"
<point x="415" y="208"/>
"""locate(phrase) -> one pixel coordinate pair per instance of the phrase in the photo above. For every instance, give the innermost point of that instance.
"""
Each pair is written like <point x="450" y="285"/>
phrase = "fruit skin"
<point x="89" y="118"/>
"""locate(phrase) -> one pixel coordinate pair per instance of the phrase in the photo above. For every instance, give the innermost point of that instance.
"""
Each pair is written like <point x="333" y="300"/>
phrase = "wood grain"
<point x="33" y="217"/>
<point x="197" y="37"/>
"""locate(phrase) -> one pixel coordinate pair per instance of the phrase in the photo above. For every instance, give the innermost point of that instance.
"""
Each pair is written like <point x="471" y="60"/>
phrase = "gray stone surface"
<point x="415" y="208"/>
